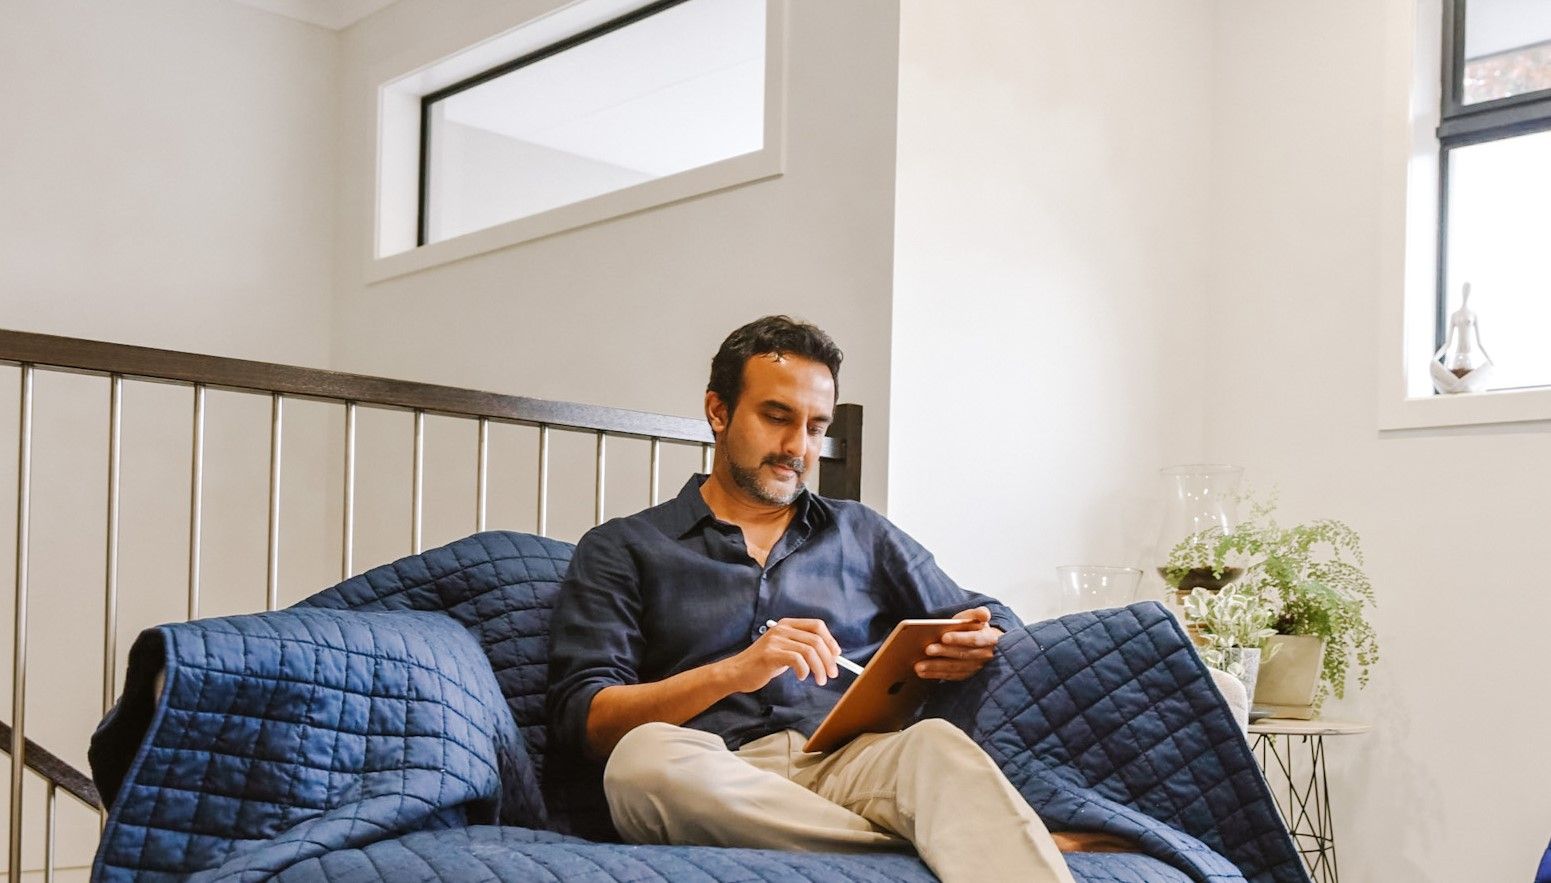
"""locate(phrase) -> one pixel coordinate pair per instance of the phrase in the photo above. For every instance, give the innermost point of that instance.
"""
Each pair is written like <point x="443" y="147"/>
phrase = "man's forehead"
<point x="788" y="373"/>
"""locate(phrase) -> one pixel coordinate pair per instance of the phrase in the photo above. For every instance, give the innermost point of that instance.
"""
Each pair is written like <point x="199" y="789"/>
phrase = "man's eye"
<point x="775" y="418"/>
<point x="815" y="431"/>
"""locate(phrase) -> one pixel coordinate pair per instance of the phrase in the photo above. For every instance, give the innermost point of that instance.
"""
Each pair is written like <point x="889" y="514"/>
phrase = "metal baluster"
<point x="196" y="500"/>
<point x="655" y="479"/>
<point x="705" y="458"/>
<point x="276" y="421"/>
<point x="416" y="494"/>
<point x="347" y="530"/>
<point x="19" y="640"/>
<point x="543" y="512"/>
<point x="484" y="473"/>
<point x="597" y="503"/>
<point x="51" y="826"/>
<point x="110" y="590"/>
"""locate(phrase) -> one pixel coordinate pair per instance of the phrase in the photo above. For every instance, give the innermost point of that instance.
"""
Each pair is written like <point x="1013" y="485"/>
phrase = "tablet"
<point x="887" y="693"/>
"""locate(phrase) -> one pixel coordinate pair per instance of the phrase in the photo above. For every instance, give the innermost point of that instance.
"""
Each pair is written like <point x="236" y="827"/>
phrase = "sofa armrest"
<point x="1233" y="692"/>
<point x="278" y="732"/>
<point x="1106" y="719"/>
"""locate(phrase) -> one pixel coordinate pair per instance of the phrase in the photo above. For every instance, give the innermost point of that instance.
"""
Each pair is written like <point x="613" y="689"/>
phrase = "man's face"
<point x="776" y="431"/>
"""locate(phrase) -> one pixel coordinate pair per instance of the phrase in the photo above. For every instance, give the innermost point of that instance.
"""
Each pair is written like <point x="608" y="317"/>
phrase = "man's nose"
<point x="794" y="441"/>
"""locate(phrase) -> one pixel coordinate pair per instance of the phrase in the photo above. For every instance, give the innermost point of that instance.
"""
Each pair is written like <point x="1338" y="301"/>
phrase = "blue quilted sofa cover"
<point x="391" y="727"/>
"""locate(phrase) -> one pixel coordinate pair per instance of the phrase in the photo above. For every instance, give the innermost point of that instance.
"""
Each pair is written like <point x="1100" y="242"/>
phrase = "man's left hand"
<point x="961" y="653"/>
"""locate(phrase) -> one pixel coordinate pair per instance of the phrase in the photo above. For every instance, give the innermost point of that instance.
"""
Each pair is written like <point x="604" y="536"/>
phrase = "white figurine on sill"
<point x="1461" y="364"/>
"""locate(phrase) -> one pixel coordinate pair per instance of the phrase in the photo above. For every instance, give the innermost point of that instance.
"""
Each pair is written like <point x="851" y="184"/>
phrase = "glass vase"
<point x="1198" y="498"/>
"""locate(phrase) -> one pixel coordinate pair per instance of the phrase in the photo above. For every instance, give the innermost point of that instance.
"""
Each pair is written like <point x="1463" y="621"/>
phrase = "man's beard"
<point x="748" y="479"/>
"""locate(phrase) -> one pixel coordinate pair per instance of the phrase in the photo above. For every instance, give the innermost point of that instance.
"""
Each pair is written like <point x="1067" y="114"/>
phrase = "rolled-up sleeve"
<point x="924" y="591"/>
<point x="594" y="634"/>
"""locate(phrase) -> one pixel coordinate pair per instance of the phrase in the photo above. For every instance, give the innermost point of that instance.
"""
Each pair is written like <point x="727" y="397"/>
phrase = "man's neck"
<point x="733" y="506"/>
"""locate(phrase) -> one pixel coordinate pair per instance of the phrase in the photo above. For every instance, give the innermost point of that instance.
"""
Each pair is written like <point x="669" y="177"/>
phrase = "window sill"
<point x="751" y="167"/>
<point x="1467" y="409"/>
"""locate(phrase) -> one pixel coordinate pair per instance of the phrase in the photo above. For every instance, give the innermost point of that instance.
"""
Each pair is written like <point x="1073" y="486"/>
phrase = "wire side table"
<point x="1305" y="801"/>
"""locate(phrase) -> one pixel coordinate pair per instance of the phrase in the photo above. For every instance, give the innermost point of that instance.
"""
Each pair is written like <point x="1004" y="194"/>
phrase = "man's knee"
<point x="937" y="730"/>
<point x="658" y="758"/>
<point x="942" y="744"/>
<point x="636" y="759"/>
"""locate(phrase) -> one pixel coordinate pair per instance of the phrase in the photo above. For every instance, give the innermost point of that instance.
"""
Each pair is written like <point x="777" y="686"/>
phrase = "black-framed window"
<point x="1494" y="139"/>
<point x="668" y="87"/>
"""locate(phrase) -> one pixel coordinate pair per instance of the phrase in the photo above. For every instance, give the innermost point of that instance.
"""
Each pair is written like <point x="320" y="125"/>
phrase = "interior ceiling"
<point x="335" y="14"/>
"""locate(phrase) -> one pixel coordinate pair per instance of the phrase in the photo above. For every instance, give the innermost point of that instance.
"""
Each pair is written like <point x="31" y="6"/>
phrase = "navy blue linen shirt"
<point x="674" y="588"/>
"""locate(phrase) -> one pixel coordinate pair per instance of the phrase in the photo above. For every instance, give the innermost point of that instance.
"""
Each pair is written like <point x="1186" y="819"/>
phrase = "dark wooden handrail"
<point x="842" y="446"/>
<point x="219" y="372"/>
<point x="44" y="762"/>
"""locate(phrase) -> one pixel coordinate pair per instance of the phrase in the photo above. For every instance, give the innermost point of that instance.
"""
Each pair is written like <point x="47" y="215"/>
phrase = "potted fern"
<point x="1311" y="575"/>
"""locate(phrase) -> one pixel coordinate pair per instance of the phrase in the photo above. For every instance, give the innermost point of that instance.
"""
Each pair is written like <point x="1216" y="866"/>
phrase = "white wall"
<point x="1451" y="785"/>
<point x="1048" y="281"/>
<point x="629" y="312"/>
<point x="166" y="176"/>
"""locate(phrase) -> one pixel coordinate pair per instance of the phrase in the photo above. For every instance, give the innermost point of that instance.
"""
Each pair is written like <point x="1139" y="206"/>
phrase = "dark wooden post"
<point x="841" y="477"/>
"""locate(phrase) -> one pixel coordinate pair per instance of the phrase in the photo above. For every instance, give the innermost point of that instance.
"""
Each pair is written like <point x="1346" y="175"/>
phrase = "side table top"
<point x="1276" y="726"/>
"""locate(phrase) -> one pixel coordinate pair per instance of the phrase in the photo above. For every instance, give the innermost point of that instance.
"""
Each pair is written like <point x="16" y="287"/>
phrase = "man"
<point x="661" y="661"/>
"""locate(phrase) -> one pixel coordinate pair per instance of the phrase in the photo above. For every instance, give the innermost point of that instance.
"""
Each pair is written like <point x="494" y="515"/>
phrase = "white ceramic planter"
<point x="1289" y="670"/>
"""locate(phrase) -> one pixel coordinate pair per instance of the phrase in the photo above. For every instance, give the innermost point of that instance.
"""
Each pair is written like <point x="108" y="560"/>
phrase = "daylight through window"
<point x="674" y="86"/>
<point x="1495" y="187"/>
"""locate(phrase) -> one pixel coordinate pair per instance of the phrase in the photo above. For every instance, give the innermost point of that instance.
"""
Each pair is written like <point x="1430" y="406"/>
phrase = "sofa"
<point x="392" y="727"/>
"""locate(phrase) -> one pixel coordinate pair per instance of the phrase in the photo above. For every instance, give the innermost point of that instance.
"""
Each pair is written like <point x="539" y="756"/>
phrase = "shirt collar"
<point x="689" y="510"/>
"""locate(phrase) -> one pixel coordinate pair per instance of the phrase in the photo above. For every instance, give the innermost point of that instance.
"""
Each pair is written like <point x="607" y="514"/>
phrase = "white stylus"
<point x="841" y="661"/>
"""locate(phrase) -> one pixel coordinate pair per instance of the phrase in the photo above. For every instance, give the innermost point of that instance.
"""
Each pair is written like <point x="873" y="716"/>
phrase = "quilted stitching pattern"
<point x="1106" y="722"/>
<point x="501" y="586"/>
<point x="486" y="853"/>
<point x="280" y="734"/>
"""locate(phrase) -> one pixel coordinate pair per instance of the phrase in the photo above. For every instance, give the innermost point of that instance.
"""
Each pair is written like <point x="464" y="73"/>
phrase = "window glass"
<point x="680" y="89"/>
<point x="1499" y="241"/>
<point x="1507" y="49"/>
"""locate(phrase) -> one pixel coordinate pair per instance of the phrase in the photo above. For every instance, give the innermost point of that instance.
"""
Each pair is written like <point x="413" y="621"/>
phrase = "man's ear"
<point x="716" y="413"/>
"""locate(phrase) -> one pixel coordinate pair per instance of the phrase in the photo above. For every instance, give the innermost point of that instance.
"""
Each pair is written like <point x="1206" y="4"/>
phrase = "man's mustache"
<point x="796" y="464"/>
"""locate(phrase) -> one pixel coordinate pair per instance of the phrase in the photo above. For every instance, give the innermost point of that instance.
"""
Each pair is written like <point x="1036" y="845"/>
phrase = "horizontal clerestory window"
<point x="651" y="94"/>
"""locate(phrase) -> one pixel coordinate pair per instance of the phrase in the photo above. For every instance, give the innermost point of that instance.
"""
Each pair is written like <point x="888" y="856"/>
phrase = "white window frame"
<point x="1409" y="244"/>
<point x="394" y="252"/>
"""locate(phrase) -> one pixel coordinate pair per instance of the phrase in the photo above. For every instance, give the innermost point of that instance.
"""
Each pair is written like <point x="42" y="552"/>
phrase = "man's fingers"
<point x="810" y="655"/>
<point x="947" y="670"/>
<point x="817" y="627"/>
<point x="967" y="638"/>
<point x="941" y="651"/>
<point x="981" y="613"/>
<point x="825" y="658"/>
<point x="796" y="662"/>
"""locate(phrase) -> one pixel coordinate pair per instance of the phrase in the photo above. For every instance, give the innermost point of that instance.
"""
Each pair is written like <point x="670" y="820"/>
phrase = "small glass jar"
<point x="1096" y="586"/>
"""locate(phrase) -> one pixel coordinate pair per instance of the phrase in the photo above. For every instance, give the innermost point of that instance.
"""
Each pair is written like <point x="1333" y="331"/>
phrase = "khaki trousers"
<point x="929" y="785"/>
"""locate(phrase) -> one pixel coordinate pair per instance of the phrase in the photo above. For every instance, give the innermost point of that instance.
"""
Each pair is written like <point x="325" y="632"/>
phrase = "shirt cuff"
<point x="1003" y="618"/>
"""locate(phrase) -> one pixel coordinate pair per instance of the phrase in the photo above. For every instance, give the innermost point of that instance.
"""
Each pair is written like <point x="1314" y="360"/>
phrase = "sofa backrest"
<point x="501" y="586"/>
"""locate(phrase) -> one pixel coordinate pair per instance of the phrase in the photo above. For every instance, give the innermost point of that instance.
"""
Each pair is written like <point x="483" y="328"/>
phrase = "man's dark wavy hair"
<point x="772" y="335"/>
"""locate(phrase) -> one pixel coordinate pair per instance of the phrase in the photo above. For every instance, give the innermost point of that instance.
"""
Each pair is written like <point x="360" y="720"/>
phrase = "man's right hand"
<point x="802" y="645"/>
